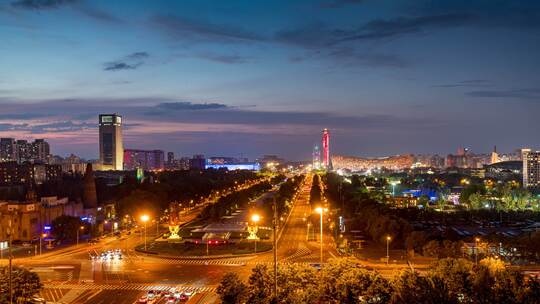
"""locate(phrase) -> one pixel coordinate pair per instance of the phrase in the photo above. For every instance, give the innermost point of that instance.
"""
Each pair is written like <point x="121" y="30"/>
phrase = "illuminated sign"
<point x="47" y="227"/>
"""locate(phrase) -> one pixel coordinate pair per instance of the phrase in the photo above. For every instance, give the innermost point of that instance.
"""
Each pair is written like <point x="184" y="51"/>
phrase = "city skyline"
<point x="254" y="79"/>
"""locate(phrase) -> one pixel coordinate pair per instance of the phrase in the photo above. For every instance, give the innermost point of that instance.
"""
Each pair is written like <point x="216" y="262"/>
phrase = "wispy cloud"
<point x="339" y="3"/>
<point x="526" y="93"/>
<point x="129" y="62"/>
<point x="182" y="29"/>
<point x="41" y="4"/>
<point x="466" y="83"/>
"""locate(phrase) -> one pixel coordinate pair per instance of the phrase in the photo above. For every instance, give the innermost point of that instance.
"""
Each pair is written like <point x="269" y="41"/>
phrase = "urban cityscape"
<point x="317" y="151"/>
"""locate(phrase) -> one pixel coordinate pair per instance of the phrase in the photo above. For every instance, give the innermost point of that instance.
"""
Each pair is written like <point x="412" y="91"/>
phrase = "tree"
<point x="260" y="285"/>
<point x="345" y="281"/>
<point x="455" y="273"/>
<point x="410" y="287"/>
<point x="416" y="240"/>
<point x="424" y="201"/>
<point x="231" y="289"/>
<point x="25" y="284"/>
<point x="476" y="201"/>
<point x="297" y="284"/>
<point x="66" y="227"/>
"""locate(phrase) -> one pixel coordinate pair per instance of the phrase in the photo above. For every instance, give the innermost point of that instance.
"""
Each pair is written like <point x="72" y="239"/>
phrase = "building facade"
<point x="326" y="149"/>
<point x="531" y="168"/>
<point x="111" y="147"/>
<point x="145" y="159"/>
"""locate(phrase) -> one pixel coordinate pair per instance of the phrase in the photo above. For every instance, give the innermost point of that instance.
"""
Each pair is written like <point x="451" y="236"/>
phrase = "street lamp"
<point x="388" y="239"/>
<point x="41" y="237"/>
<point x="321" y="210"/>
<point x="394" y="183"/>
<point x="80" y="228"/>
<point x="144" y="219"/>
<point x="255" y="219"/>
<point x="476" y="241"/>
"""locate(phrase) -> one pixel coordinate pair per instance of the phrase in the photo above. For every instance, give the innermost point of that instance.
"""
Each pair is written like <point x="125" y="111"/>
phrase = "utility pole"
<point x="10" y="266"/>
<point x="275" y="249"/>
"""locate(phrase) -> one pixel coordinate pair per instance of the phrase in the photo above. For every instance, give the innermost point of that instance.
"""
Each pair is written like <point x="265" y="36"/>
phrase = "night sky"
<point x="234" y="78"/>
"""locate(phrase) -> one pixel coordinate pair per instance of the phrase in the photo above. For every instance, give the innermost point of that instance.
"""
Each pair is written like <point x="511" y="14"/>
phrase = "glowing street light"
<point x="145" y="218"/>
<point x="80" y="228"/>
<point x="321" y="211"/>
<point x="394" y="183"/>
<point x="255" y="218"/>
<point x="388" y="239"/>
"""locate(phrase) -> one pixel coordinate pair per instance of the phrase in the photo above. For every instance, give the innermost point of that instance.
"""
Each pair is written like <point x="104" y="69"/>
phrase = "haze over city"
<point x="247" y="78"/>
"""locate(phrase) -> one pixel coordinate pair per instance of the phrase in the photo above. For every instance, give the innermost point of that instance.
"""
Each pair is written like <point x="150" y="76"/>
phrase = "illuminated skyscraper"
<point x="111" y="147"/>
<point x="316" y="157"/>
<point x="326" y="149"/>
<point x="531" y="168"/>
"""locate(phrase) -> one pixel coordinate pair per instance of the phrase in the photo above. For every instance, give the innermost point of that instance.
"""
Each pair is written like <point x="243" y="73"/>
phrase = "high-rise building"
<point x="170" y="158"/>
<point x="144" y="159"/>
<point x="24" y="151"/>
<point x="8" y="149"/>
<point x="111" y="147"/>
<point x="316" y="157"/>
<point x="531" y="168"/>
<point x="40" y="151"/>
<point x="494" y="156"/>
<point x="326" y="149"/>
<point x="89" y="190"/>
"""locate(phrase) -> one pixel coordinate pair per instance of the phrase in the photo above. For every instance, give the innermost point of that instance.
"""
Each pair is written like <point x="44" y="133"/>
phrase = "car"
<point x="143" y="300"/>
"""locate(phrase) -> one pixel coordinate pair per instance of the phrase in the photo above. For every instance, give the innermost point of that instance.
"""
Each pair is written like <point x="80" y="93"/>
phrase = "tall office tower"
<point x="111" y="147"/>
<point x="40" y="151"/>
<point x="8" y="149"/>
<point x="24" y="151"/>
<point x="326" y="148"/>
<point x="531" y="168"/>
<point x="316" y="157"/>
<point x="170" y="158"/>
<point x="494" y="156"/>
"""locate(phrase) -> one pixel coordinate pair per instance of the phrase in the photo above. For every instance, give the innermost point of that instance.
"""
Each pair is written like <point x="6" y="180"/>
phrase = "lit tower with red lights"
<point x="326" y="148"/>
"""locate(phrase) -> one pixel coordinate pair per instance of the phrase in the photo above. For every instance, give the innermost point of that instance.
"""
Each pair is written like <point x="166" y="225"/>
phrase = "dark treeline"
<point x="367" y="211"/>
<point x="315" y="193"/>
<point x="283" y="197"/>
<point x="225" y="205"/>
<point x="448" y="281"/>
<point x="364" y="212"/>
<point x="173" y="186"/>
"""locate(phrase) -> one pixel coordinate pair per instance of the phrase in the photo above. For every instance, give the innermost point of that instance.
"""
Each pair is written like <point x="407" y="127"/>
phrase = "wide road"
<point x="70" y="276"/>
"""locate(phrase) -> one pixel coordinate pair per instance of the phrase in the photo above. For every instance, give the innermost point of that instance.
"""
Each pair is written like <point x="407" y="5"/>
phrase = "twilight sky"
<point x="250" y="77"/>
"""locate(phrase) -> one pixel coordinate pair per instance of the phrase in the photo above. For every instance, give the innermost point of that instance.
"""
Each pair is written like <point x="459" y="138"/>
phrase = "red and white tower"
<point x="326" y="148"/>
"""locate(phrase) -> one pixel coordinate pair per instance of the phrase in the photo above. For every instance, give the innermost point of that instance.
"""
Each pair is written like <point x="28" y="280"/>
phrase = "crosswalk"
<point x="132" y="286"/>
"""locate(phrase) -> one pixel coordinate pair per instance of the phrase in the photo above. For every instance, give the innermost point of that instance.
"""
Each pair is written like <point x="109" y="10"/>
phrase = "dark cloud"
<point x="41" y="4"/>
<point x="61" y="126"/>
<point x="466" y="83"/>
<point x="118" y="66"/>
<point x="138" y="55"/>
<point x="181" y="106"/>
<point x="381" y="28"/>
<point x="179" y="28"/>
<point x="98" y="14"/>
<point x="23" y="115"/>
<point x="339" y="3"/>
<point x="130" y="62"/>
<point x="529" y="93"/>
<point x="349" y="55"/>
<point x="228" y="59"/>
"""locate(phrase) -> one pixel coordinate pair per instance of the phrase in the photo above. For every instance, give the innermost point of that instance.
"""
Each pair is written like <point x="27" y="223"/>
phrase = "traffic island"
<point x="205" y="251"/>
